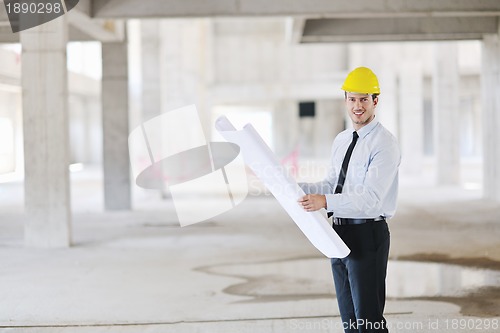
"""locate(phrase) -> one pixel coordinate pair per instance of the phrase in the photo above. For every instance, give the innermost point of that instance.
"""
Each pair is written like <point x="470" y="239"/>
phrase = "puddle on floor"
<point x="407" y="279"/>
<point x="311" y="278"/>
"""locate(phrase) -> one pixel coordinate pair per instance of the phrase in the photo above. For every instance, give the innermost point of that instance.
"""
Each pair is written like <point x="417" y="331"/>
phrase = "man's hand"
<point x="312" y="202"/>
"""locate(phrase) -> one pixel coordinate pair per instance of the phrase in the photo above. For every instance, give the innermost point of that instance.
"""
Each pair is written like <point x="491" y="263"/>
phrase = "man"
<point x="360" y="190"/>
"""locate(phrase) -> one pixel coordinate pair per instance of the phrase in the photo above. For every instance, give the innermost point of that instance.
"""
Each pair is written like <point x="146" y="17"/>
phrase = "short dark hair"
<point x="373" y="95"/>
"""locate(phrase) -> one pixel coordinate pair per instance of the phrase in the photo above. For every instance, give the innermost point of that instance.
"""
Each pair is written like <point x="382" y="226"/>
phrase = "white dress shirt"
<point x="371" y="185"/>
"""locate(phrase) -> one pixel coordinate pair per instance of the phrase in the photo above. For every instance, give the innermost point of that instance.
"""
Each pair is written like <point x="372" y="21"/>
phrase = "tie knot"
<point x="355" y="135"/>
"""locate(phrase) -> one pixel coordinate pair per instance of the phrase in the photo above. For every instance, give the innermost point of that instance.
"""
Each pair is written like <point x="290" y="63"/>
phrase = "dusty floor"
<point x="247" y="270"/>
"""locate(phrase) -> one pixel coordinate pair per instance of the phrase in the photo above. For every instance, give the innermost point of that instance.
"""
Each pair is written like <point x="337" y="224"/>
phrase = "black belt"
<point x="345" y="221"/>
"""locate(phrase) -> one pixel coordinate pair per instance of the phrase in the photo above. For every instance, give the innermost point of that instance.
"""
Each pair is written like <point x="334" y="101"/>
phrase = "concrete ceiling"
<point x="397" y="29"/>
<point x="333" y="20"/>
<point x="313" y="21"/>
<point x="325" y="8"/>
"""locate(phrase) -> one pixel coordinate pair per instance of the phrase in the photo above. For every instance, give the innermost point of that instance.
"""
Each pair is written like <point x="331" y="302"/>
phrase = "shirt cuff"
<point x="330" y="202"/>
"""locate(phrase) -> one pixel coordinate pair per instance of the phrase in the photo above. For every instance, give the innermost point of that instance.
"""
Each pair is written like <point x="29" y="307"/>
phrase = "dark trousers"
<point x="360" y="277"/>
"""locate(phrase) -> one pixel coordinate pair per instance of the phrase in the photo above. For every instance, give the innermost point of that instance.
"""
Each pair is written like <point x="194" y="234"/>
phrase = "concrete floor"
<point x="248" y="270"/>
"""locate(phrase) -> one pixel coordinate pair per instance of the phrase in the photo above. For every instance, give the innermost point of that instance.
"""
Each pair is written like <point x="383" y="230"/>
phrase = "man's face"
<point x="361" y="108"/>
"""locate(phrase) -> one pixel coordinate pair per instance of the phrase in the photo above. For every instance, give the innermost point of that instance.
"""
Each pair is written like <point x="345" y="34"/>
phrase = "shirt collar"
<point x="365" y="130"/>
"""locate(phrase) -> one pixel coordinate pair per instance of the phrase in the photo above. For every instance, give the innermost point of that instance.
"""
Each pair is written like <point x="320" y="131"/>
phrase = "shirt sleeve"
<point x="323" y="187"/>
<point x="368" y="196"/>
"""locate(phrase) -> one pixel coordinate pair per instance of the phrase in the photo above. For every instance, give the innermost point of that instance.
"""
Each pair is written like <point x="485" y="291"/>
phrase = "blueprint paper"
<point x="263" y="162"/>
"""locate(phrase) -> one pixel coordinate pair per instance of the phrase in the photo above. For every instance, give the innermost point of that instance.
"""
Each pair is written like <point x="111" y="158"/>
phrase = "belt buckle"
<point x="337" y="221"/>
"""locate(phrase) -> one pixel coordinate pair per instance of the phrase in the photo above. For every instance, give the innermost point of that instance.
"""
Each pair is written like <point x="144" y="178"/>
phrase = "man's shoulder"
<point x="385" y="140"/>
<point x="385" y="134"/>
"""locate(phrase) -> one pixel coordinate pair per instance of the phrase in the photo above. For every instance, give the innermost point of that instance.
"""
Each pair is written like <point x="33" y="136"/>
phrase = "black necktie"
<point x="345" y="165"/>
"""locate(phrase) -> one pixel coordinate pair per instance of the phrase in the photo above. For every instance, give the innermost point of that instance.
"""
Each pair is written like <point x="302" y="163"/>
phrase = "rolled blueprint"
<point x="263" y="162"/>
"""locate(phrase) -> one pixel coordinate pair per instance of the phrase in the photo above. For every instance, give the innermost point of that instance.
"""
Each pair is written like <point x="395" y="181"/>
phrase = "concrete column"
<point x="445" y="112"/>
<point x="46" y="143"/>
<point x="151" y="72"/>
<point x="306" y="136"/>
<point x="490" y="100"/>
<point x="205" y="100"/>
<point x="329" y="121"/>
<point x="310" y="137"/>
<point x="150" y="66"/>
<point x="182" y="56"/>
<point x="285" y="127"/>
<point x="387" y="109"/>
<point x="411" y="106"/>
<point x="115" y="126"/>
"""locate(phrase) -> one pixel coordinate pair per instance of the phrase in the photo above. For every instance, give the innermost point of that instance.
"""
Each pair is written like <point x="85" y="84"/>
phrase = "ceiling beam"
<point x="6" y="35"/>
<point x="397" y="29"/>
<point x="3" y="12"/>
<point x="322" y="8"/>
<point x="98" y="30"/>
<point x="294" y="29"/>
<point x="84" y="6"/>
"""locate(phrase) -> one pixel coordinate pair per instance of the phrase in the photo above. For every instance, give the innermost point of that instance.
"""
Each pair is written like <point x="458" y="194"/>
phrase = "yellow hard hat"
<point x="361" y="80"/>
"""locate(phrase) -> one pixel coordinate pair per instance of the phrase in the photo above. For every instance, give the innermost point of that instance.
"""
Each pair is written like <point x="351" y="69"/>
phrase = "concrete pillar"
<point x="151" y="72"/>
<point x="46" y="144"/>
<point x="205" y="100"/>
<point x="411" y="106"/>
<point x="490" y="76"/>
<point x="150" y="67"/>
<point x="306" y="136"/>
<point x="183" y="57"/>
<point x="285" y="127"/>
<point x="329" y="121"/>
<point x="115" y="126"/>
<point x="387" y="109"/>
<point x="310" y="137"/>
<point x="445" y="113"/>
